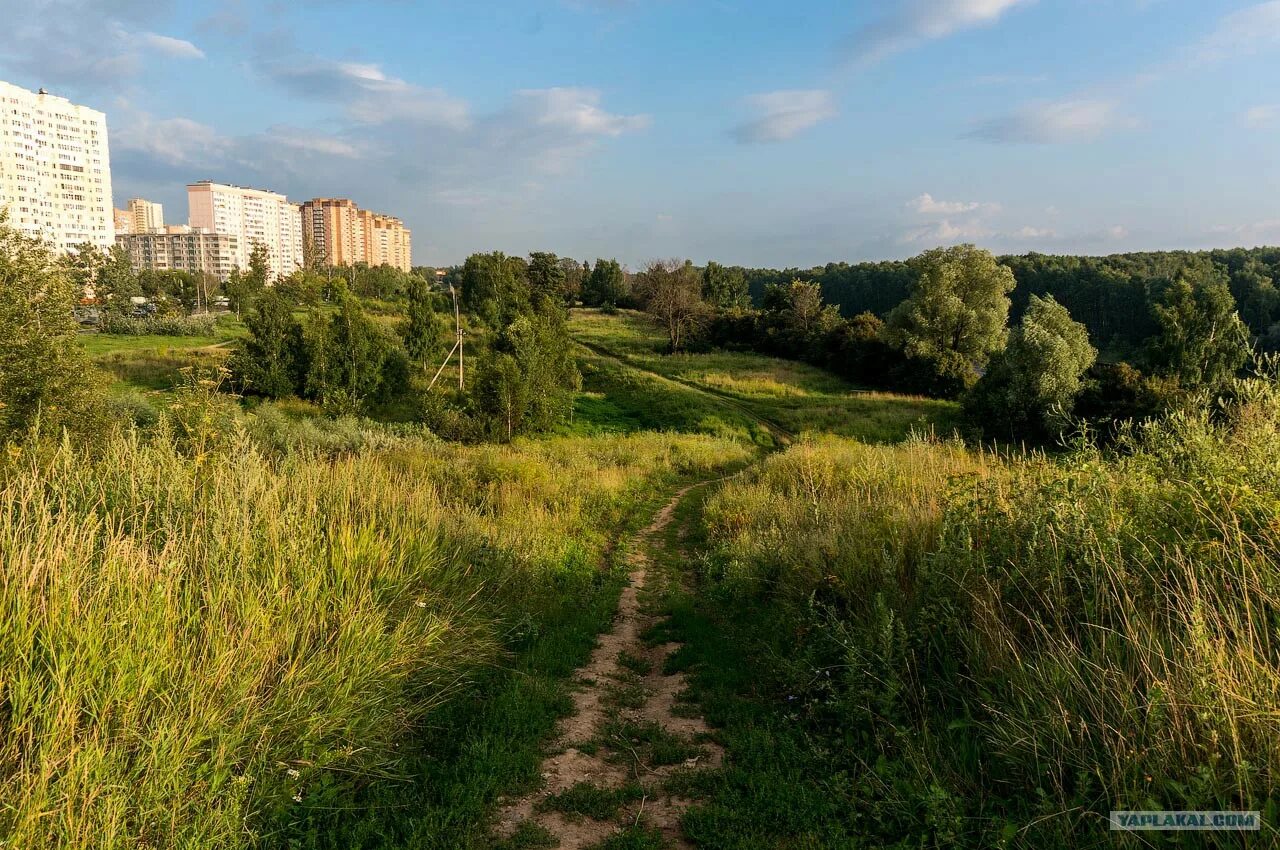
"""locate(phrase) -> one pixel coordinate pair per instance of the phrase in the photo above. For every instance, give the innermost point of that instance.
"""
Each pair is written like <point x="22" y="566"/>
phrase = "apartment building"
<point x="55" y="172"/>
<point x="388" y="242"/>
<point x="252" y="216"/>
<point x="342" y="234"/>
<point x="180" y="248"/>
<point x="146" y="216"/>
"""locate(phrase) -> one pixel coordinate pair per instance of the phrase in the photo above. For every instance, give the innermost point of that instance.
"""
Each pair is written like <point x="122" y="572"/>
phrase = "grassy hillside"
<point x="795" y="396"/>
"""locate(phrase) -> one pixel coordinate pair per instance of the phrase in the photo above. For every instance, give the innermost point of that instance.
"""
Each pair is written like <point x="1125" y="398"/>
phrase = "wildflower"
<point x="297" y="798"/>
<point x="420" y="604"/>
<point x="293" y="774"/>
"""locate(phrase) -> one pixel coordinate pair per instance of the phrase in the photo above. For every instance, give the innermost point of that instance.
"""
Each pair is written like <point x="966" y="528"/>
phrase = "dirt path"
<point x="619" y="760"/>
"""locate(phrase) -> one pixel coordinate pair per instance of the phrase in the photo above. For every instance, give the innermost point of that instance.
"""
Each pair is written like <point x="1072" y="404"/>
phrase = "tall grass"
<point x="203" y="644"/>
<point x="1005" y="648"/>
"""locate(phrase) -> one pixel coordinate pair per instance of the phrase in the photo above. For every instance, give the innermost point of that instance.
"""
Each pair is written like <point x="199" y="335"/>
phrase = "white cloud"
<point x="1029" y="232"/>
<point x="781" y="115"/>
<point x="1259" y="117"/>
<point x="926" y="204"/>
<point x="305" y="141"/>
<point x="1118" y="232"/>
<point x="168" y="45"/>
<point x="1049" y="122"/>
<point x="169" y="141"/>
<point x="576" y="110"/>
<point x="1245" y="31"/>
<point x="947" y="232"/>
<point x="370" y="95"/>
<point x="918" y="21"/>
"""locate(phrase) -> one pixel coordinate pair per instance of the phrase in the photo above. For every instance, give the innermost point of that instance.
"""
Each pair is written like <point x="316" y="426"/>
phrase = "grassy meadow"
<point x="929" y="645"/>
<point x="210" y="646"/>
<point x="795" y="397"/>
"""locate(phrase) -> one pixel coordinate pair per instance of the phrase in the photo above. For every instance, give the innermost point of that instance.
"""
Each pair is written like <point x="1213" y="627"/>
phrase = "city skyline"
<point x="753" y="134"/>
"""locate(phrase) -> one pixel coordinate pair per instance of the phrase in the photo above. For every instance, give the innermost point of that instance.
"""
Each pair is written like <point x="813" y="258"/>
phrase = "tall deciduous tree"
<point x="671" y="292"/>
<point x="271" y="360"/>
<point x="724" y="288"/>
<point x="495" y="287"/>
<point x="547" y="278"/>
<point x="607" y="284"/>
<point x="1202" y="342"/>
<point x="1028" y="387"/>
<point x="45" y="378"/>
<point x="956" y="315"/>
<point x="425" y="326"/>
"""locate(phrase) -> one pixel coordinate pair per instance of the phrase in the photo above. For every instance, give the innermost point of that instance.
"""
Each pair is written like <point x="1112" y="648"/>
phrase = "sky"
<point x="753" y="132"/>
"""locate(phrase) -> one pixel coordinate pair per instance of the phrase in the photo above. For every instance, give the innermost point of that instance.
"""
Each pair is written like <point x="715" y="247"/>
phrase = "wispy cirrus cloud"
<point x="1055" y="122"/>
<point x="86" y="44"/>
<point x="168" y="45"/>
<point x="915" y="22"/>
<point x="1245" y="31"/>
<point x="784" y="114"/>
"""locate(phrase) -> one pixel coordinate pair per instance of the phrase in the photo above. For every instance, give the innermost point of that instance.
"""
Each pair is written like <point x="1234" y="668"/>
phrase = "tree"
<point x="115" y="281"/>
<point x="530" y="380"/>
<point x="955" y="317"/>
<point x="1030" y="386"/>
<point x="46" y="381"/>
<point x="425" y="326"/>
<point x="494" y="287"/>
<point x="724" y="288"/>
<point x="502" y="392"/>
<point x="1202" y="342"/>
<point x="547" y="278"/>
<point x="242" y="287"/>
<point x="271" y="359"/>
<point x="349" y="358"/>
<point x="605" y="285"/>
<point x="671" y="292"/>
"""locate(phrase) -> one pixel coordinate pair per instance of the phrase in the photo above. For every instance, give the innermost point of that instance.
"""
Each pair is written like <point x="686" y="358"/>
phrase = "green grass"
<point x="795" y="396"/>
<point x="213" y="648"/>
<point x="926" y="645"/>
<point x="592" y="801"/>
<point x="633" y="837"/>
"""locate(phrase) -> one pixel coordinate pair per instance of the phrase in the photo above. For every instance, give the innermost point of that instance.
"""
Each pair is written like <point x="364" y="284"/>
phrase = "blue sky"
<point x="747" y="131"/>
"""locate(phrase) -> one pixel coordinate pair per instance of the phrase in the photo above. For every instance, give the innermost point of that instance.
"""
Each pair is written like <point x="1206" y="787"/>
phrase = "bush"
<point x="159" y="325"/>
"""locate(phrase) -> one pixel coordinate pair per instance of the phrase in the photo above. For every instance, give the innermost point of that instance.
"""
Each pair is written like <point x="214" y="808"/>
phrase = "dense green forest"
<point x="1111" y="296"/>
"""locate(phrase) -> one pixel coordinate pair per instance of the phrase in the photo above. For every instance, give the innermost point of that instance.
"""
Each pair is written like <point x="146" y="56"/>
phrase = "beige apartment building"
<point x="342" y="234"/>
<point x="147" y="216"/>
<point x="55" y="172"/>
<point x="252" y="216"/>
<point x="181" y="248"/>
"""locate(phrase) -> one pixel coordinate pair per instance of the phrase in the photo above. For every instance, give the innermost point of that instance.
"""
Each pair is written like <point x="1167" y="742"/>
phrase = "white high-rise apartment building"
<point x="55" y="173"/>
<point x="253" y="216"/>
<point x="147" y="216"/>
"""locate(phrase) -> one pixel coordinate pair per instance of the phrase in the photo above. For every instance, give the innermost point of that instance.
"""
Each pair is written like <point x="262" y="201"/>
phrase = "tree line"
<point x="949" y="335"/>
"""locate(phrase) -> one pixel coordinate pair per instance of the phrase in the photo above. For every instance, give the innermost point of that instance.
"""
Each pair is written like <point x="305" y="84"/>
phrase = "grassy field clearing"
<point x="796" y="396"/>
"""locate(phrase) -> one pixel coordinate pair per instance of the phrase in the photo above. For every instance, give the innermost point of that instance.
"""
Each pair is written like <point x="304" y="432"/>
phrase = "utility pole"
<point x="457" y="343"/>
<point x="457" y="324"/>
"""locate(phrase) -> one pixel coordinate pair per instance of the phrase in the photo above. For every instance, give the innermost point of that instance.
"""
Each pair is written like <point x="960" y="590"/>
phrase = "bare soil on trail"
<point x="622" y="687"/>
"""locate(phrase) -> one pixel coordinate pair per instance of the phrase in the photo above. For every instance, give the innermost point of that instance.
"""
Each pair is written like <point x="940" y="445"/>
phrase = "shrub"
<point x="159" y="325"/>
